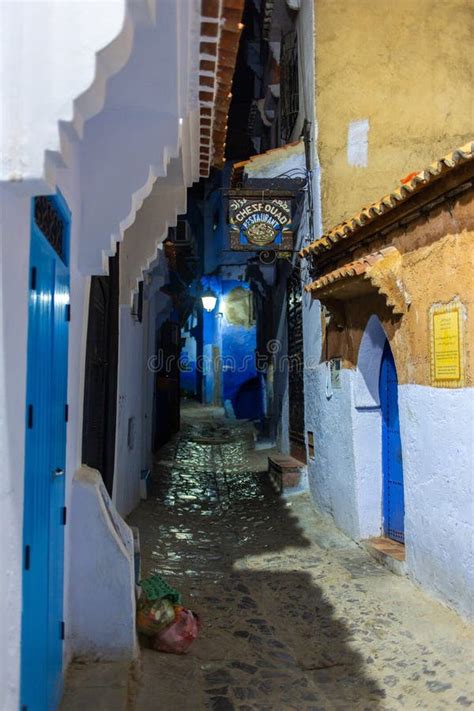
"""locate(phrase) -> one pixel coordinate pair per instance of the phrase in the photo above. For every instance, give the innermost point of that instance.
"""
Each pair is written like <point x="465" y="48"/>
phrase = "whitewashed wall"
<point x="102" y="591"/>
<point x="15" y="212"/>
<point x="332" y="472"/>
<point x="126" y="490"/>
<point x="345" y="477"/>
<point x="48" y="61"/>
<point x="14" y="228"/>
<point x="438" y="465"/>
<point x="79" y="80"/>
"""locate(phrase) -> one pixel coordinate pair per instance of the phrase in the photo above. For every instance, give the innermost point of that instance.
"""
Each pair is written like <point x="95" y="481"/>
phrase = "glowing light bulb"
<point x="209" y="300"/>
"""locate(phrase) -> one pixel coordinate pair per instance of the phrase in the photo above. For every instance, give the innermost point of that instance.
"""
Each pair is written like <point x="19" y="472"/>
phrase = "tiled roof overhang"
<point x="379" y="271"/>
<point x="220" y="35"/>
<point x="332" y="281"/>
<point x="428" y="185"/>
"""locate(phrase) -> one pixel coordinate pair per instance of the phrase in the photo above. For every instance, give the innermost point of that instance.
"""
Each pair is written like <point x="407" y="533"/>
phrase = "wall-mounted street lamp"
<point x="209" y="300"/>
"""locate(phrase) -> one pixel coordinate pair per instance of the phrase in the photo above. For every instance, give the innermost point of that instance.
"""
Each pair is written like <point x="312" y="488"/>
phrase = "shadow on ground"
<point x="270" y="640"/>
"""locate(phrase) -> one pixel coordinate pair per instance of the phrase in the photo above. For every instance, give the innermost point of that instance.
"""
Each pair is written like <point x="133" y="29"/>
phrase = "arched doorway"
<point x="100" y="387"/>
<point x="392" y="464"/>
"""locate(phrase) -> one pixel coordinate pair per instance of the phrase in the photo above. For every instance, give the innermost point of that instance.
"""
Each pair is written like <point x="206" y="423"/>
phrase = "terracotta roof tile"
<point x="207" y="65"/>
<point x="206" y="81"/>
<point x="216" y="83"/>
<point x="209" y="29"/>
<point x="358" y="267"/>
<point x="370" y="213"/>
<point x="210" y="8"/>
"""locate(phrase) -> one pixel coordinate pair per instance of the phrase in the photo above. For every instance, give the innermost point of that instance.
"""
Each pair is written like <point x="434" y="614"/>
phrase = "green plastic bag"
<point x="155" y="588"/>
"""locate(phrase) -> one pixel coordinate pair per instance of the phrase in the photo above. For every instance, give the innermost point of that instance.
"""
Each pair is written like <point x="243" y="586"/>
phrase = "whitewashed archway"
<point x="367" y="430"/>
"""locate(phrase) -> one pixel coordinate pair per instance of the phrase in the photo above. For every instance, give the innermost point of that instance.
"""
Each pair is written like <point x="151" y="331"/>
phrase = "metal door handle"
<point x="58" y="472"/>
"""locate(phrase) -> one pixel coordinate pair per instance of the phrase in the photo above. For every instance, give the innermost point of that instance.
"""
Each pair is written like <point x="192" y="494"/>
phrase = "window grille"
<point x="289" y="84"/>
<point x="49" y="220"/>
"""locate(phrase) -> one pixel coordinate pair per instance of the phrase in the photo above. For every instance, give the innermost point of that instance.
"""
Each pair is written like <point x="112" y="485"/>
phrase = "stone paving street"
<point x="296" y="617"/>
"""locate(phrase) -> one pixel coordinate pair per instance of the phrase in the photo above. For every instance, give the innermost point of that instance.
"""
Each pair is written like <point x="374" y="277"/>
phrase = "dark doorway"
<point x="296" y="366"/>
<point x="393" y="494"/>
<point x="166" y="410"/>
<point x="100" y="391"/>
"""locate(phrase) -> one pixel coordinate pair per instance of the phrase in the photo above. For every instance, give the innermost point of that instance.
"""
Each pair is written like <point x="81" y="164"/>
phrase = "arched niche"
<point x="367" y="430"/>
<point x="366" y="391"/>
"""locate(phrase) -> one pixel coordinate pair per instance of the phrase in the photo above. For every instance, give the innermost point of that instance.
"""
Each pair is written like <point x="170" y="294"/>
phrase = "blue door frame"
<point x="45" y="457"/>
<point x="392" y="463"/>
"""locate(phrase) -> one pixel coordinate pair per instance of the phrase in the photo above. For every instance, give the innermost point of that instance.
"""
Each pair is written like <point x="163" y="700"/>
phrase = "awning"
<point x="379" y="272"/>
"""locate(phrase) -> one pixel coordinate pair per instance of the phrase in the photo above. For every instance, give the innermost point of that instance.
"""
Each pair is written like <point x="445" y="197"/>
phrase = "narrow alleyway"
<point x="296" y="617"/>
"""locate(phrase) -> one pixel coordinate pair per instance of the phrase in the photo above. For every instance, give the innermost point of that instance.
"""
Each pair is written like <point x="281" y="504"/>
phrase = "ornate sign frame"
<point x="260" y="220"/>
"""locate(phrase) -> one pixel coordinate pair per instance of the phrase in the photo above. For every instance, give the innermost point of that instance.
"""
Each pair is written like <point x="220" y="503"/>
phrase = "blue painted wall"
<point x="221" y="271"/>
<point x="189" y="353"/>
<point x="241" y="383"/>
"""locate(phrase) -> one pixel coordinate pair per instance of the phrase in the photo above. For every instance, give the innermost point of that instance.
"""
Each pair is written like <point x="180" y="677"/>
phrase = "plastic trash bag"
<point x="178" y="637"/>
<point x="154" y="615"/>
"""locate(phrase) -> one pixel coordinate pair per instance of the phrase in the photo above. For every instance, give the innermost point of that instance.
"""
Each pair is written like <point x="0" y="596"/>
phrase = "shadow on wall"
<point x="247" y="403"/>
<point x="239" y="340"/>
<point x="368" y="364"/>
<point x="270" y="638"/>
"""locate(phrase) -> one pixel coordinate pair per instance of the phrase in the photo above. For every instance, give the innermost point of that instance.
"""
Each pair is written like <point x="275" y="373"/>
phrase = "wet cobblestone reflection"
<point x="296" y="616"/>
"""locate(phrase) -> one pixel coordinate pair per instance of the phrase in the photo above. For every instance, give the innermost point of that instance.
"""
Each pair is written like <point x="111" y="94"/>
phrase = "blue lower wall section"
<point x="234" y="344"/>
<point x="188" y="367"/>
<point x="241" y="383"/>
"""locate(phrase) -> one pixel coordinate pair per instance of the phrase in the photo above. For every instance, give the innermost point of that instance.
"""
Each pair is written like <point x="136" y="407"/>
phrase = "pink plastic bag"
<point x="177" y="637"/>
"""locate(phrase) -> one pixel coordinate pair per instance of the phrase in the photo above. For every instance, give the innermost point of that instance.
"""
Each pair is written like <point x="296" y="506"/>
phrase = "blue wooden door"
<point x="393" y="497"/>
<point x="45" y="452"/>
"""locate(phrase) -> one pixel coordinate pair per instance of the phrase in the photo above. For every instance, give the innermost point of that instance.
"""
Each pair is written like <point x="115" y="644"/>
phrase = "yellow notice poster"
<point x="446" y="345"/>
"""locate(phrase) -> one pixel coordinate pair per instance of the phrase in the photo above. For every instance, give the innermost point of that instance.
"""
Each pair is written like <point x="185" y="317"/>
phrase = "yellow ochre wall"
<point x="408" y="67"/>
<point x="437" y="256"/>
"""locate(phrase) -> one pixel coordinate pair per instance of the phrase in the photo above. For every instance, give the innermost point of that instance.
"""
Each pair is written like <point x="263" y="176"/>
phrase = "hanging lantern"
<point x="209" y="300"/>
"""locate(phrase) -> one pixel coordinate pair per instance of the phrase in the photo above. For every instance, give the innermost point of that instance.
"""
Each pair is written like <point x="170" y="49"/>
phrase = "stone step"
<point x="387" y="552"/>
<point x="284" y="471"/>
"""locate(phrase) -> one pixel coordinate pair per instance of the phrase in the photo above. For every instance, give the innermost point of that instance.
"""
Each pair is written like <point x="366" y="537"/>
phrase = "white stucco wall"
<point x="102" y="589"/>
<point x="345" y="478"/>
<point x="14" y="228"/>
<point x="438" y="466"/>
<point x="48" y="59"/>
<point x="366" y="423"/>
<point x="67" y="62"/>
<point x="331" y="474"/>
<point x="126" y="489"/>
<point x="15" y="213"/>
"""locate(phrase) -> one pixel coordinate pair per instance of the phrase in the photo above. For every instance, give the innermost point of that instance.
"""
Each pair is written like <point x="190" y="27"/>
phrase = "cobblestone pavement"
<point x="296" y="617"/>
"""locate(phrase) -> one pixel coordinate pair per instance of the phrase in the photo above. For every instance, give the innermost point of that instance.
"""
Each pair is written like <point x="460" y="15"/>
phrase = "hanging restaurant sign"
<point x="260" y="220"/>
